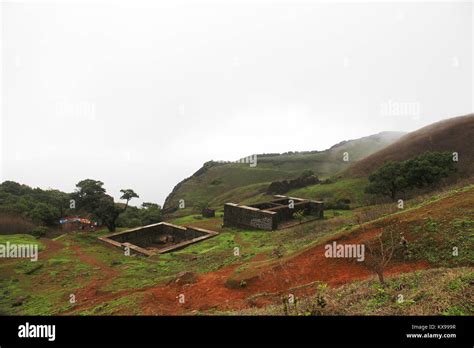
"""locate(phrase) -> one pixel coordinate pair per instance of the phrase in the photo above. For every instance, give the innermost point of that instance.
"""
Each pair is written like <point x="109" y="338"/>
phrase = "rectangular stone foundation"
<point x="158" y="238"/>
<point x="268" y="215"/>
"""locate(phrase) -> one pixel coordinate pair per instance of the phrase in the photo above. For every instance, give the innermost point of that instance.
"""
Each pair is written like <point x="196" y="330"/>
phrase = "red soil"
<point x="90" y="294"/>
<point x="210" y="292"/>
<point x="266" y="284"/>
<point x="50" y="248"/>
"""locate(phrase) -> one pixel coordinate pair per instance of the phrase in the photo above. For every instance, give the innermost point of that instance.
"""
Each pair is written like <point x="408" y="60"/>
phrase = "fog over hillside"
<point x="139" y="95"/>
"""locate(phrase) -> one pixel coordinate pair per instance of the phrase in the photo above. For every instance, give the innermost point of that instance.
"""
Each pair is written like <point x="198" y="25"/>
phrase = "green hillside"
<point x="216" y="183"/>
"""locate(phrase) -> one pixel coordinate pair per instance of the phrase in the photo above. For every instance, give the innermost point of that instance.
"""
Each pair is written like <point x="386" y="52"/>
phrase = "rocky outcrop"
<point x="281" y="187"/>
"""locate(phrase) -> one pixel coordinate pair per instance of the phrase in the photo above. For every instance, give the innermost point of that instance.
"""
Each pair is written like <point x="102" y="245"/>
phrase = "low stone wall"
<point x="138" y="240"/>
<point x="267" y="215"/>
<point x="316" y="208"/>
<point x="249" y="217"/>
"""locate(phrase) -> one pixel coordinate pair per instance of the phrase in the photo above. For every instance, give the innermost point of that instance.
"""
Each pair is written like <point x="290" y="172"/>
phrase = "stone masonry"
<point x="268" y="215"/>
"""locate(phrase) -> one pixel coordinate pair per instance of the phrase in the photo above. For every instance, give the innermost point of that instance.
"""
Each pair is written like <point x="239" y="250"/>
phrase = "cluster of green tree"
<point x="43" y="207"/>
<point x="46" y="207"/>
<point x="425" y="170"/>
<point x="90" y="196"/>
<point x="147" y="214"/>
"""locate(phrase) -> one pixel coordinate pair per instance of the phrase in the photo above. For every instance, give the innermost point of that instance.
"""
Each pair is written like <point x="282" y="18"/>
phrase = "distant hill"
<point x="212" y="183"/>
<point x="454" y="135"/>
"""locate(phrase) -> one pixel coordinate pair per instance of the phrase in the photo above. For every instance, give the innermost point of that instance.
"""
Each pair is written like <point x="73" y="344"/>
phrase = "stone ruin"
<point x="270" y="215"/>
<point x="158" y="238"/>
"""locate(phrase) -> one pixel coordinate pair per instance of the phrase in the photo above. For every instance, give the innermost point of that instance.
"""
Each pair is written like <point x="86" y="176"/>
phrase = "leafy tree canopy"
<point x="424" y="170"/>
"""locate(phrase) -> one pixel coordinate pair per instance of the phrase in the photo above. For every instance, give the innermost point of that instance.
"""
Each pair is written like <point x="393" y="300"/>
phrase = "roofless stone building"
<point x="270" y="215"/>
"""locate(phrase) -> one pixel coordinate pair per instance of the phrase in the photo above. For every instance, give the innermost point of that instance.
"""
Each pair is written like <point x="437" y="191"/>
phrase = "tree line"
<point x="46" y="207"/>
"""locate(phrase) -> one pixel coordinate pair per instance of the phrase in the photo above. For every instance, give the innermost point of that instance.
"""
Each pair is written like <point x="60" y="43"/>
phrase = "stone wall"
<point x="316" y="208"/>
<point x="267" y="215"/>
<point x="249" y="217"/>
<point x="147" y="235"/>
<point x="170" y="237"/>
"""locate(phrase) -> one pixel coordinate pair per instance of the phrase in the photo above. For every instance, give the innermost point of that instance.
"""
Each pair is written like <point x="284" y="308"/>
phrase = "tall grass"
<point x="14" y="224"/>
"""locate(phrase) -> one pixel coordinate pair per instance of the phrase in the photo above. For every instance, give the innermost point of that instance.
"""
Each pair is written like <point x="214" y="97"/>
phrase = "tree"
<point x="147" y="214"/>
<point x="380" y="253"/>
<point x="88" y="194"/>
<point x="388" y="180"/>
<point x="150" y="213"/>
<point x="149" y="205"/>
<point x="14" y="188"/>
<point x="128" y="194"/>
<point x="92" y="198"/>
<point x="424" y="170"/>
<point x="58" y="199"/>
<point x="45" y="214"/>
<point x="428" y="168"/>
<point x="44" y="207"/>
<point x="108" y="212"/>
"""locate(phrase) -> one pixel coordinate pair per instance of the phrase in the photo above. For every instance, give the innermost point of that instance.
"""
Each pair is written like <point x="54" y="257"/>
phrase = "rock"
<point x="19" y="301"/>
<point x="167" y="238"/>
<point x="208" y="213"/>
<point x="232" y="284"/>
<point x="278" y="187"/>
<point x="185" y="278"/>
<point x="281" y="187"/>
<point x="235" y="284"/>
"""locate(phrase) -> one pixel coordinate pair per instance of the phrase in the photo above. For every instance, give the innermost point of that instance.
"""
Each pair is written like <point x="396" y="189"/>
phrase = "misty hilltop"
<point x="213" y="182"/>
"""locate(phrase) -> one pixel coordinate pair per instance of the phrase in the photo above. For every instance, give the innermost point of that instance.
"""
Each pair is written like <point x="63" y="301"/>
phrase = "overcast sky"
<point x="140" y="95"/>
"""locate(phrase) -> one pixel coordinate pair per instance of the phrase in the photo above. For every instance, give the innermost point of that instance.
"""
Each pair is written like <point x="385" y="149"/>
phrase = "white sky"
<point x="140" y="95"/>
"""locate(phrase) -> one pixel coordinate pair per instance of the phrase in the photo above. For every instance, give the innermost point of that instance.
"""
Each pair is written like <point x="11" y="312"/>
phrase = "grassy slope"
<point x="408" y="294"/>
<point x="352" y="189"/>
<point x="236" y="182"/>
<point x="447" y="135"/>
<point x="453" y="135"/>
<point x="76" y="261"/>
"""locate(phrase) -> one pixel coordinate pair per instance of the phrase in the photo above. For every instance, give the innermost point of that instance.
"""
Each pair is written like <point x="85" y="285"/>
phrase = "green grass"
<point x="126" y="304"/>
<point x="48" y="288"/>
<point x="188" y="219"/>
<point x="352" y="189"/>
<point x="412" y="293"/>
<point x="21" y="239"/>
<point x="444" y="243"/>
<point x="214" y="183"/>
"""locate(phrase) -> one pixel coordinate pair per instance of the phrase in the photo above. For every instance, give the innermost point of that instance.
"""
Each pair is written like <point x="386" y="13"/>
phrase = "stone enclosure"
<point x="157" y="238"/>
<point x="270" y="215"/>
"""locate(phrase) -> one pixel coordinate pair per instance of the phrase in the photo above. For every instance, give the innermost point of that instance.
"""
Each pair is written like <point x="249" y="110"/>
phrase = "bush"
<point x="340" y="204"/>
<point x="39" y="232"/>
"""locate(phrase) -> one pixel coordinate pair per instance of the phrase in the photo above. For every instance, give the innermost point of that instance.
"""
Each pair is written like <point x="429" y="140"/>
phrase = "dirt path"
<point x="92" y="292"/>
<point x="50" y="247"/>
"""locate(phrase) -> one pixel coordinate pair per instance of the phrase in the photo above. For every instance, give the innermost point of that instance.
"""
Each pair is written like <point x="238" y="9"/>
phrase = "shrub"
<point x="39" y="231"/>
